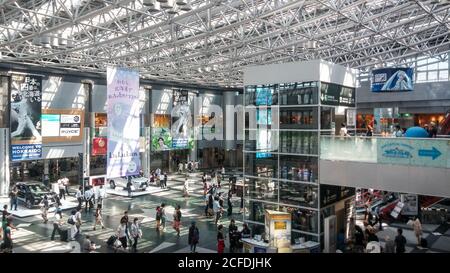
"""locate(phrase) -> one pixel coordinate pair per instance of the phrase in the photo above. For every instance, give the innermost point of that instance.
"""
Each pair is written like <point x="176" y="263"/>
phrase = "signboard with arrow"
<point x="416" y="152"/>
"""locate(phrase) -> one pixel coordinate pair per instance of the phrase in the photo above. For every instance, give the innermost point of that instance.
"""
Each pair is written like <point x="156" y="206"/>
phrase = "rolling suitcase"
<point x="424" y="243"/>
<point x="64" y="235"/>
<point x="111" y="240"/>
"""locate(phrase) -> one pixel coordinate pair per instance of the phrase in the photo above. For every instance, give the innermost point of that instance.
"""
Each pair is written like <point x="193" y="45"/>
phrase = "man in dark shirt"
<point x="400" y="242"/>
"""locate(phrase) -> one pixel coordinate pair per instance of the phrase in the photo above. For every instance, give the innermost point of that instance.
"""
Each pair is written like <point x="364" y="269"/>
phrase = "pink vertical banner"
<point x="123" y="122"/>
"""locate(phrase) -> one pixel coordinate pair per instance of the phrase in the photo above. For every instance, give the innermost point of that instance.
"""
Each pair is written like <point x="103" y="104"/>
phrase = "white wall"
<point x="395" y="178"/>
<point x="314" y="70"/>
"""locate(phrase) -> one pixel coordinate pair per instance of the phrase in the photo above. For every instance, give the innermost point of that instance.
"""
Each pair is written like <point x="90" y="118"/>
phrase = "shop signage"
<point x="123" y="122"/>
<point x="60" y="125"/>
<point x="25" y="121"/>
<point x="337" y="95"/>
<point x="416" y="152"/>
<point x="392" y="79"/>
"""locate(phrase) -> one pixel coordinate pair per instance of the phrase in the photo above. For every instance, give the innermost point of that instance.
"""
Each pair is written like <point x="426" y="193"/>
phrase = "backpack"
<point x="196" y="234"/>
<point x="70" y="221"/>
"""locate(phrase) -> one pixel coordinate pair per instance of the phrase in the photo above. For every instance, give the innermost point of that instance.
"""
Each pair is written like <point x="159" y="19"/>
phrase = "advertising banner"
<point x="25" y="121"/>
<point x="99" y="146"/>
<point x="182" y="133"/>
<point x="429" y="153"/>
<point x="392" y="79"/>
<point x="161" y="138"/>
<point x="123" y="122"/>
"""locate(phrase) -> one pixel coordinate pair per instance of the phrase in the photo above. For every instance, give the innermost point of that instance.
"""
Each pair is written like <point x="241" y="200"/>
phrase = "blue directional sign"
<point x="416" y="152"/>
<point x="433" y="153"/>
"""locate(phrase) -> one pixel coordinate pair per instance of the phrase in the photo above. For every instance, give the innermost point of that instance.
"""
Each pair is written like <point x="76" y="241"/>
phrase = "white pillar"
<point x="4" y="162"/>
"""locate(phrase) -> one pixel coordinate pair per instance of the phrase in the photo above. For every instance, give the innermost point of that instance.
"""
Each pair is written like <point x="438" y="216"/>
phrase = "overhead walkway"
<point x="407" y="165"/>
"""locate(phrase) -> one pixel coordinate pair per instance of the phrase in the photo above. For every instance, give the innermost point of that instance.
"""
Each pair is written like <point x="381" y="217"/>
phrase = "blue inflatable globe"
<point x="416" y="132"/>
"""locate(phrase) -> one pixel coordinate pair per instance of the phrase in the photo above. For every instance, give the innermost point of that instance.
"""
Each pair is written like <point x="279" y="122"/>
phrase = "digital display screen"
<point x="263" y="95"/>
<point x="392" y="79"/>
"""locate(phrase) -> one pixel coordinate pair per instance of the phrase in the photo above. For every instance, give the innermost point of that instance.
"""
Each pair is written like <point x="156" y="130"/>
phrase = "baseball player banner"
<point x="25" y="121"/>
<point x="123" y="122"/>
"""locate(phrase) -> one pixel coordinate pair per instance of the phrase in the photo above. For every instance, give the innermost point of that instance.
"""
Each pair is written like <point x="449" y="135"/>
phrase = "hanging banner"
<point x="123" y="122"/>
<point x="181" y="130"/>
<point x="25" y="121"/>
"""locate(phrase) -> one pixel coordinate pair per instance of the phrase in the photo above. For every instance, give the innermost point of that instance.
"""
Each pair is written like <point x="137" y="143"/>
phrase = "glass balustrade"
<point x="426" y="152"/>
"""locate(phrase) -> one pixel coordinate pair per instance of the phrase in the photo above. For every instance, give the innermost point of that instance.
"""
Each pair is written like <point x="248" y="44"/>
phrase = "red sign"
<point x="99" y="146"/>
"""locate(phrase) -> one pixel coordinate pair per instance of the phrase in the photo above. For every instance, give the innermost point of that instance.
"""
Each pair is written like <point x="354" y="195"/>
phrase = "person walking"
<point x="78" y="221"/>
<point x="233" y="235"/>
<point x="44" y="208"/>
<point x="88" y="195"/>
<point x="72" y="221"/>
<point x="193" y="237"/>
<point x="230" y="204"/>
<point x="101" y="195"/>
<point x="13" y="198"/>
<point x="129" y="184"/>
<point x="217" y="210"/>
<point x="57" y="224"/>
<point x="7" y="238"/>
<point x="400" y="242"/>
<point x="163" y="216"/>
<point x="186" y="188"/>
<point x="165" y="180"/>
<point x="62" y="189"/>
<point x="126" y="220"/>
<point x="122" y="234"/>
<point x="177" y="219"/>
<point x="220" y="239"/>
<point x="136" y="233"/>
<point x="222" y="172"/>
<point x="65" y="181"/>
<point x="79" y="197"/>
<point x="158" y="217"/>
<point x="98" y="216"/>
<point x="417" y="226"/>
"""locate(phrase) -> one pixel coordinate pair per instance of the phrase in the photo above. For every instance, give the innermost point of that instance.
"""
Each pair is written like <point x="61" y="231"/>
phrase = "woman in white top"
<point x="343" y="131"/>
<point x="136" y="233"/>
<point x="122" y="234"/>
<point x="186" y="188"/>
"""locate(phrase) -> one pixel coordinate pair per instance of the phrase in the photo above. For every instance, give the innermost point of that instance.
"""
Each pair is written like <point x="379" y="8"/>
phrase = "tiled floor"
<point x="34" y="235"/>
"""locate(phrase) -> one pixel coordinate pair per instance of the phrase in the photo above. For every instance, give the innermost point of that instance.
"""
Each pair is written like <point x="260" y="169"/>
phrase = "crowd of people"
<point x="126" y="236"/>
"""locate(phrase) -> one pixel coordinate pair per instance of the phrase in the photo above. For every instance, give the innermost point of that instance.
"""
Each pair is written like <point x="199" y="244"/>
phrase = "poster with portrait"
<point x="123" y="122"/>
<point x="181" y="129"/>
<point x="392" y="79"/>
<point x="161" y="138"/>
<point x="25" y="121"/>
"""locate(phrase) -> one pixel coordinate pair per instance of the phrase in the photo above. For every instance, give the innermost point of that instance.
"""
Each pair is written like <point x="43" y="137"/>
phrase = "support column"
<point x="4" y="162"/>
<point x="228" y="99"/>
